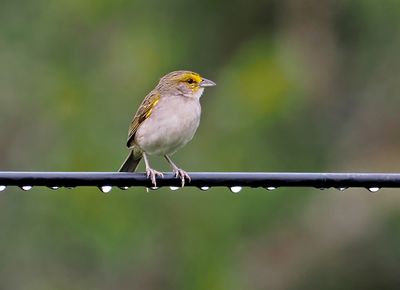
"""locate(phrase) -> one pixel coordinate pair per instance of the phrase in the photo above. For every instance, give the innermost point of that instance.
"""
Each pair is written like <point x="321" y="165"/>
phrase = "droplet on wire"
<point x="204" y="188"/>
<point x="3" y="187"/>
<point x="174" y="188"/>
<point x="26" y="187"/>
<point x="374" y="189"/>
<point x="271" y="188"/>
<point x="235" y="189"/>
<point x="106" y="188"/>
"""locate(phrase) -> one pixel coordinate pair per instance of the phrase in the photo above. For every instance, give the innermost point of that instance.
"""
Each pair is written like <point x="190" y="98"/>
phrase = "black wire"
<point x="203" y="179"/>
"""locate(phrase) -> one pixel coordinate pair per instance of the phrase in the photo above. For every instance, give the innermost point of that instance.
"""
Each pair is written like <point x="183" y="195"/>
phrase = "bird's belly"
<point x="165" y="131"/>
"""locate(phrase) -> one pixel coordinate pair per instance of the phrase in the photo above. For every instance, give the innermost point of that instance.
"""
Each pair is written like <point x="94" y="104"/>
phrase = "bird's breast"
<point x="172" y="123"/>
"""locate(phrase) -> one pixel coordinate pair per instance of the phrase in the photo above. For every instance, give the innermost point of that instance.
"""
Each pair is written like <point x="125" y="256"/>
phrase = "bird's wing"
<point x="144" y="111"/>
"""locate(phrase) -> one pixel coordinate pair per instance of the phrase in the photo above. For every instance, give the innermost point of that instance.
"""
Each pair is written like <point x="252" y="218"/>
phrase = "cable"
<point x="202" y="179"/>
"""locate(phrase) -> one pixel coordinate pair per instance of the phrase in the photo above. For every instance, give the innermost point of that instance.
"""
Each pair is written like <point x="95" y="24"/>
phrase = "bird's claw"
<point x="153" y="174"/>
<point x="182" y="174"/>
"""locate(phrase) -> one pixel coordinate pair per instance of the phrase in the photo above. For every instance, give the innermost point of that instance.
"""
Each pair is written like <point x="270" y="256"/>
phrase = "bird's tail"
<point x="132" y="161"/>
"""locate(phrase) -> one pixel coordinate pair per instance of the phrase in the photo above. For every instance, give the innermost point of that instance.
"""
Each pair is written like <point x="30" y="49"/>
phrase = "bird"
<point x="166" y="120"/>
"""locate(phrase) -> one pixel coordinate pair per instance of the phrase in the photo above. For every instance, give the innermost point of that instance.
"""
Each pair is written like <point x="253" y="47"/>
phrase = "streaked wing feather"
<point x="142" y="114"/>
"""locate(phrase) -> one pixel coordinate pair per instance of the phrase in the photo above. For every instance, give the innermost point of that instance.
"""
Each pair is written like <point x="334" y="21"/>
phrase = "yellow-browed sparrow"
<point x="165" y="121"/>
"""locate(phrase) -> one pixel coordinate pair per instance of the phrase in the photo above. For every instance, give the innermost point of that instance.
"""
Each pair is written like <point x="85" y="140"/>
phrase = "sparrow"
<point x="166" y="120"/>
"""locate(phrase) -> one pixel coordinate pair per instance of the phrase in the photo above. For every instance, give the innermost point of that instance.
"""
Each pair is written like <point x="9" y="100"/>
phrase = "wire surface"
<point x="203" y="179"/>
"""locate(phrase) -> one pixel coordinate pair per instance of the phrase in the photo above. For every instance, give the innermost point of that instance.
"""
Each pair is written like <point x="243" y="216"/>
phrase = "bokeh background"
<point x="302" y="86"/>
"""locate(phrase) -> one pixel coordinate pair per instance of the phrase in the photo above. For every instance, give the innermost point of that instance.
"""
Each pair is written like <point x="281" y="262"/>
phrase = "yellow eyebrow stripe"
<point x="196" y="78"/>
<point x="193" y="76"/>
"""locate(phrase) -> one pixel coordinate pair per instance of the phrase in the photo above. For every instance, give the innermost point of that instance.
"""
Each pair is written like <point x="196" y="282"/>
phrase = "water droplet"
<point x="154" y="188"/>
<point x="3" y="187"/>
<point x="26" y="187"/>
<point x="373" y="189"/>
<point x="341" y="188"/>
<point x="124" y="187"/>
<point x="205" y="188"/>
<point x="174" y="187"/>
<point x="271" y="188"/>
<point x="235" y="189"/>
<point x="106" y="188"/>
<point x="54" y="187"/>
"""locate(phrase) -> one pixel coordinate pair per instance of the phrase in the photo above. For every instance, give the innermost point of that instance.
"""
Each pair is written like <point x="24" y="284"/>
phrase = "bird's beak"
<point x="206" y="83"/>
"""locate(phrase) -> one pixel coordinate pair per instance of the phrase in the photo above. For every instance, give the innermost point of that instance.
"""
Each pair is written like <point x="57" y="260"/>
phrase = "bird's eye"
<point x="190" y="81"/>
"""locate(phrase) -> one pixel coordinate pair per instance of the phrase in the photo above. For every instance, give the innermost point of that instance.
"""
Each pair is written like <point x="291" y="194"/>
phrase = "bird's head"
<point x="188" y="83"/>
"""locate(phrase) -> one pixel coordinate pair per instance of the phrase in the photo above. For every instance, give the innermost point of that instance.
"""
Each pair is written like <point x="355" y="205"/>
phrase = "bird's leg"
<point x="179" y="173"/>
<point x="151" y="173"/>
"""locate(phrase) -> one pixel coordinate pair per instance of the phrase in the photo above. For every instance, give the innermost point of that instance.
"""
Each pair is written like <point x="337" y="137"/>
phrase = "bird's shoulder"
<point x="144" y="112"/>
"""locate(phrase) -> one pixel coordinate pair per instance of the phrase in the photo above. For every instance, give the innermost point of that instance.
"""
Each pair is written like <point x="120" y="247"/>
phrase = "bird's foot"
<point x="153" y="174"/>
<point x="182" y="174"/>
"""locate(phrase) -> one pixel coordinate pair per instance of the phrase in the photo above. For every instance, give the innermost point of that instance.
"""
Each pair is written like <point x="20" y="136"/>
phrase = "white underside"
<point x="172" y="124"/>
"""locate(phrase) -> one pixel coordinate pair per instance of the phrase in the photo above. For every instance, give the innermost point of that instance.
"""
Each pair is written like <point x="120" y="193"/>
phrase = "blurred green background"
<point x="302" y="86"/>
